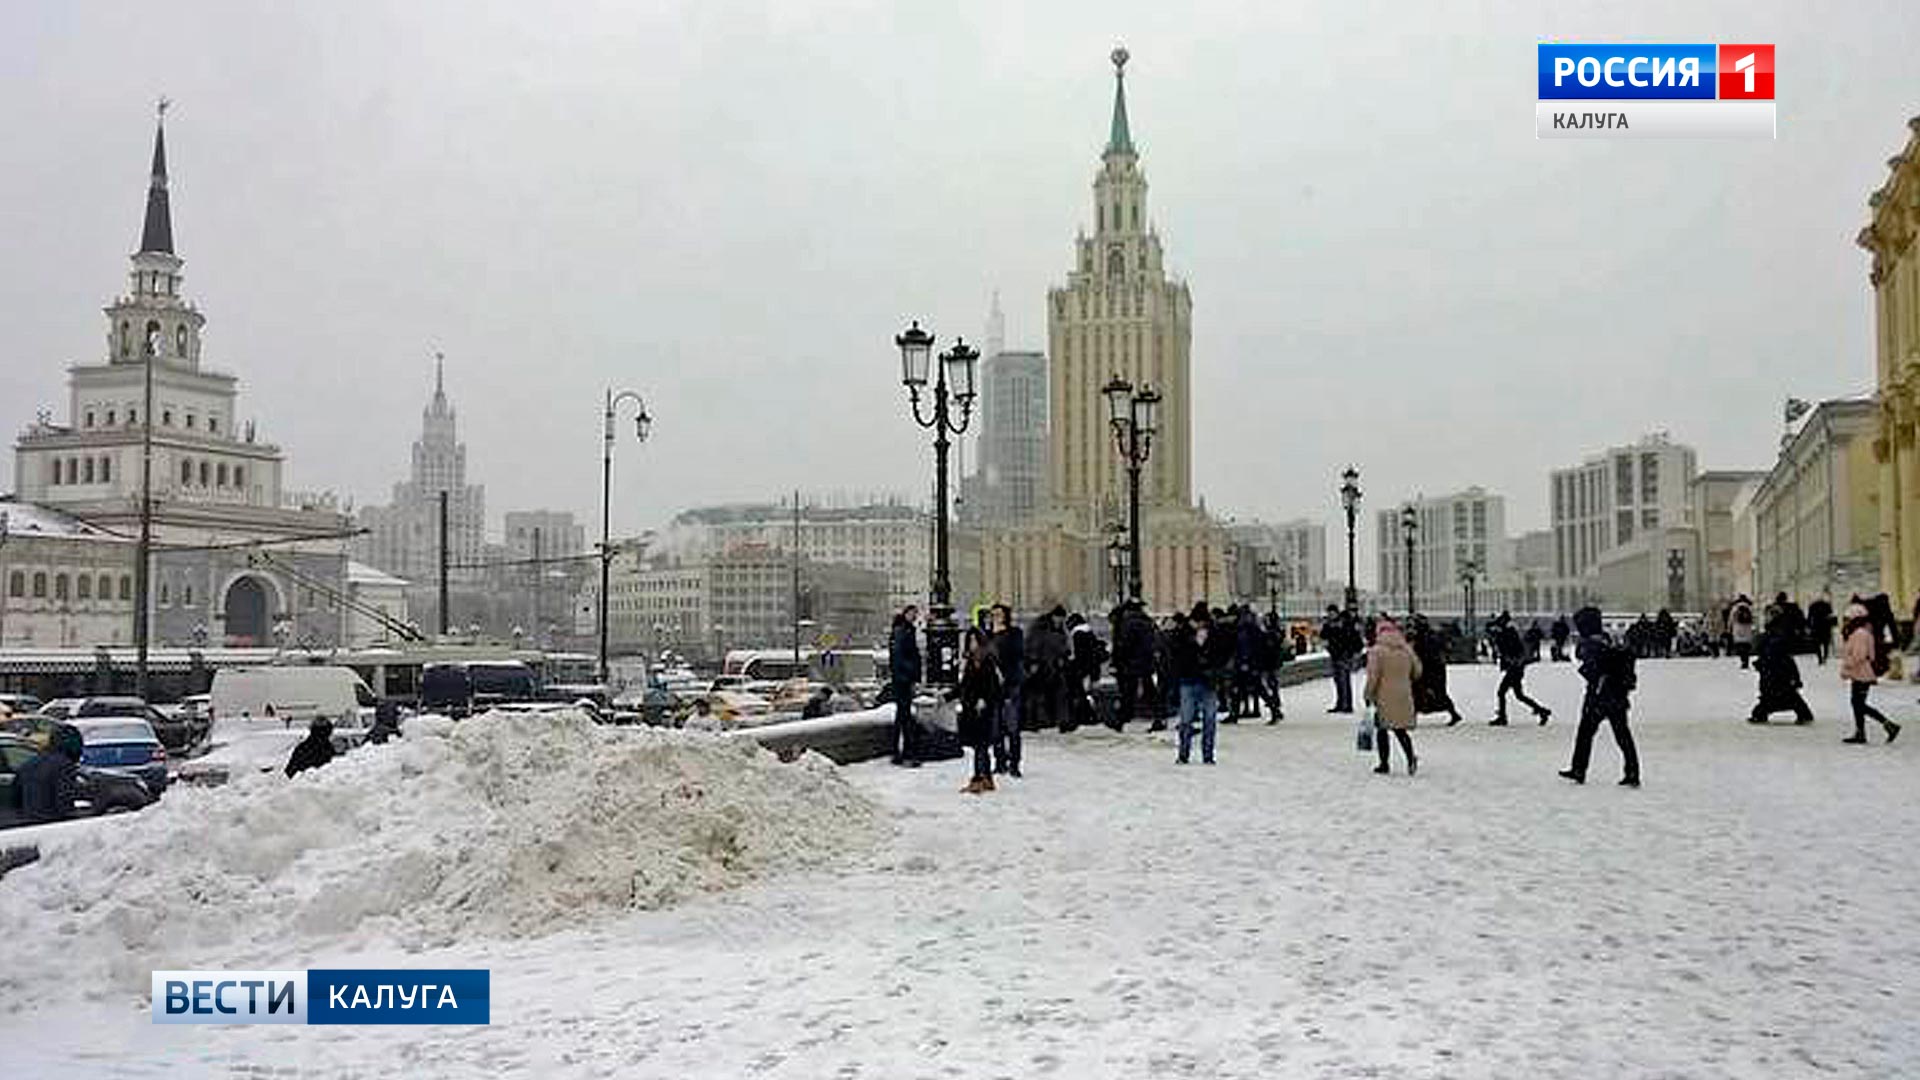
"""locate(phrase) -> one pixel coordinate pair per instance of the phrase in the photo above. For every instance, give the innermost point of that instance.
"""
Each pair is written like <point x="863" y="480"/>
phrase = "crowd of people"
<point x="1209" y="666"/>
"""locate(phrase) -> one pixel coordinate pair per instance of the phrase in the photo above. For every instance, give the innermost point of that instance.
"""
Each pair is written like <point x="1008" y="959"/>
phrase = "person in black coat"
<point x="315" y="750"/>
<point x="1202" y="655"/>
<point x="980" y="696"/>
<point x="1048" y="655"/>
<point x="903" y="674"/>
<point x="49" y="781"/>
<point x="1087" y="656"/>
<point x="1340" y="636"/>
<point x="1274" y="654"/>
<point x="1134" y="648"/>
<point x="1779" y="679"/>
<point x="1559" y="632"/>
<point x="1607" y="667"/>
<point x="1009" y="646"/>
<point x="1820" y="624"/>
<point x="1430" y="689"/>
<point x="1511" y="653"/>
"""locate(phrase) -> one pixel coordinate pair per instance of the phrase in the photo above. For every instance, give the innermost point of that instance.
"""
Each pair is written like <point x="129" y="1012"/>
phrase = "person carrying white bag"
<point x="1391" y="670"/>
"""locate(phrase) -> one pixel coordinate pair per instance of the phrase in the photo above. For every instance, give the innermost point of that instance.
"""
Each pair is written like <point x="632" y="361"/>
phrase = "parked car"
<point x="293" y="694"/>
<point x="20" y="704"/>
<point x="61" y="708"/>
<point x="176" y="735"/>
<point x="102" y="791"/>
<point x="35" y="728"/>
<point x="124" y="744"/>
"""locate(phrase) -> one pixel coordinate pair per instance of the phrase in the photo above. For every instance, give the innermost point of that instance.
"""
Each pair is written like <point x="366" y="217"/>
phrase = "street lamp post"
<point x="1409" y="529"/>
<point x="1135" y="419"/>
<point x="953" y="385"/>
<point x="1350" y="501"/>
<point x="642" y="424"/>
<point x="1117" y="563"/>
<point x="1272" y="568"/>
<point x="1469" y="575"/>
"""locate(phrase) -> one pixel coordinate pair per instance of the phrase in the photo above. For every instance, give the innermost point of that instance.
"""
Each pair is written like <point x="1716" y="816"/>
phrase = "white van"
<point x="292" y="695"/>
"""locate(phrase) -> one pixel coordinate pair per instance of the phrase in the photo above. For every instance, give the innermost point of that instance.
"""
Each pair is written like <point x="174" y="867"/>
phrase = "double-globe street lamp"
<point x="642" y="424"/>
<point x="953" y="385"/>
<point x="1272" y="568"/>
<point x="1350" y="502"/>
<point x="1469" y="577"/>
<point x="1409" y="531"/>
<point x="1135" y="419"/>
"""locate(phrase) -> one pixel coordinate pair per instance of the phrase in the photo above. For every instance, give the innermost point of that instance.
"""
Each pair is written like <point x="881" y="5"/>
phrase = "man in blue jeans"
<point x="903" y="673"/>
<point x="1341" y="639"/>
<point x="1010" y="653"/>
<point x="1199" y="656"/>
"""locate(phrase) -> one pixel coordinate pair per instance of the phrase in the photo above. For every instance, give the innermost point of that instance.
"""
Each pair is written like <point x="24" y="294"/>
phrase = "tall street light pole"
<point x="1469" y="576"/>
<point x="1270" y="568"/>
<point x="642" y="424"/>
<point x="1350" y="501"/>
<point x="953" y="386"/>
<point x="1135" y="419"/>
<point x="1409" y="529"/>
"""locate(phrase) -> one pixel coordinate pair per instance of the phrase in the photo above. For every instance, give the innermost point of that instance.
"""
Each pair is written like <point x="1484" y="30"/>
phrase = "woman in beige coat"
<point x="1391" y="670"/>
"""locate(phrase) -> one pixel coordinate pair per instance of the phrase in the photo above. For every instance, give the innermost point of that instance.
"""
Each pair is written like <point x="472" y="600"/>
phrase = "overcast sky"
<point x="732" y="208"/>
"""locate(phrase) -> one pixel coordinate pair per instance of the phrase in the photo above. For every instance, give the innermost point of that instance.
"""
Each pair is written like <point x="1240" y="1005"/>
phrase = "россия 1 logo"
<point x="1654" y="91"/>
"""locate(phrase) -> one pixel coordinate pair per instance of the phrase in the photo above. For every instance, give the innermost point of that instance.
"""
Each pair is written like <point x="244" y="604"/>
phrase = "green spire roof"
<point x="1120" y="140"/>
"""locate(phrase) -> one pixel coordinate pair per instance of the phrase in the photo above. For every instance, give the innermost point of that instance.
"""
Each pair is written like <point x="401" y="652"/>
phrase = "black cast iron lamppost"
<point x="1409" y="529"/>
<point x="1350" y="501"/>
<point x="642" y="424"/>
<point x="1135" y="418"/>
<point x="952" y="385"/>
<point x="1272" y="568"/>
<point x="1469" y="575"/>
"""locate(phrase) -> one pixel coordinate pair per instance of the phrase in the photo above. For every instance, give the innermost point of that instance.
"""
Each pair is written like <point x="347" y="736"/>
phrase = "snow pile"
<point x="501" y="825"/>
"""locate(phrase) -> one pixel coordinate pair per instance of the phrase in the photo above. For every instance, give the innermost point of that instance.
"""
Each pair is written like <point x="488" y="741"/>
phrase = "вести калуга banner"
<point x="324" y="996"/>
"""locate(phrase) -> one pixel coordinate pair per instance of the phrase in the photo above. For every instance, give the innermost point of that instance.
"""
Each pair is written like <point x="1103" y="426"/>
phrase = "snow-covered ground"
<point x="1753" y="911"/>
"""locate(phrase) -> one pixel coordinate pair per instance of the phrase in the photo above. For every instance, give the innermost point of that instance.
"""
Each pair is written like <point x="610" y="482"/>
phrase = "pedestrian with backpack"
<point x="1863" y="659"/>
<point x="1607" y="667"/>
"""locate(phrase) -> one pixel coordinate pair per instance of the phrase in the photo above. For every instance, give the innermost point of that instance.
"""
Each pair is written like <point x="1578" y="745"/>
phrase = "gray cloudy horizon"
<point x="732" y="209"/>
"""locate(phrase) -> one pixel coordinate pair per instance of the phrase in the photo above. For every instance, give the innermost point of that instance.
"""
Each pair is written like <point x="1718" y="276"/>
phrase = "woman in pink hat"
<point x="1391" y="669"/>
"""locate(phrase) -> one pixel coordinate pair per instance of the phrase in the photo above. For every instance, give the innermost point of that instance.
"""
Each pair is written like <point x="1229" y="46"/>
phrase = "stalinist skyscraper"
<point x="1119" y="313"/>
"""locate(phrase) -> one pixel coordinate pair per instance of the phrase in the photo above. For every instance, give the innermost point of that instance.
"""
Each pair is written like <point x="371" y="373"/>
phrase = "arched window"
<point x="220" y="474"/>
<point x="180" y="340"/>
<point x="110" y="418"/>
<point x="84" y="585"/>
<point x="55" y="478"/>
<point x="89" y="417"/>
<point x="133" y="415"/>
<point x="152" y="345"/>
<point x="105" y="591"/>
<point x="126" y="339"/>
<point x="213" y="424"/>
<point x="166" y="417"/>
<point x="60" y="586"/>
<point x="205" y="474"/>
<point x="87" y="472"/>
<point x="190" y="421"/>
<point x="186" y="595"/>
<point x="126" y="587"/>
<point x="106" y="470"/>
<point x="73" y="470"/>
<point x="17" y="584"/>
<point x="166" y="595"/>
<point x="40" y="585"/>
<point x="186" y="471"/>
<point x="240" y="477"/>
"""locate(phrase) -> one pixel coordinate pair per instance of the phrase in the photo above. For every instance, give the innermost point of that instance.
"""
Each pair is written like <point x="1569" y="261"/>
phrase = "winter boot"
<point x="1545" y="714"/>
<point x="1893" y="731"/>
<point x="1498" y="721"/>
<point x="1569" y="774"/>
<point x="1858" y="737"/>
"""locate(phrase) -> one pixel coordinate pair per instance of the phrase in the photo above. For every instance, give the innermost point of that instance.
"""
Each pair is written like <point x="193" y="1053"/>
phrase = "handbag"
<point x="1363" y="732"/>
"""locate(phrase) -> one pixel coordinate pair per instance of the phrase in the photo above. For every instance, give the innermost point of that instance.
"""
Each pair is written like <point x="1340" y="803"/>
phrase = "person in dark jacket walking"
<point x="1511" y="653"/>
<point x="1532" y="639"/>
<point x="313" y="751"/>
<point x="980" y="696"/>
<point x="1010" y="663"/>
<point x="1340" y="636"/>
<point x="49" y="781"/>
<point x="1779" y="679"/>
<point x="1274" y="654"/>
<point x="1820" y="627"/>
<point x="1607" y="667"/>
<point x="1559" y="632"/>
<point x="1134" y="649"/>
<point x="903" y="673"/>
<point x="1430" y="689"/>
<point x="1201" y="656"/>
<point x="1048" y="654"/>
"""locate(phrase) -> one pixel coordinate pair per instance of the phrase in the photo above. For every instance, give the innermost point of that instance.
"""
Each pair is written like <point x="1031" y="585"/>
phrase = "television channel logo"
<point x="1657" y="91"/>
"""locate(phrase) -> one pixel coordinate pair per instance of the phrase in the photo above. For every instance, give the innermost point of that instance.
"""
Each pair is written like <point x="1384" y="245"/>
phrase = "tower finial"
<point x="439" y="374"/>
<point x="1119" y="139"/>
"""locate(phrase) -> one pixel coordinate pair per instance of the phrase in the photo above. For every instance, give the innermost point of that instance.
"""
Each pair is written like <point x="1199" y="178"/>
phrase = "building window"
<point x="166" y="417"/>
<point x="55" y="480"/>
<point x="126" y="340"/>
<point x="220" y="474"/>
<point x="110" y="417"/>
<point x="133" y="415"/>
<point x="60" y="586"/>
<point x="166" y="595"/>
<point x="179" y="337"/>
<point x="190" y="421"/>
<point x="186" y="471"/>
<point x="1649" y="478"/>
<point x="1623" y="526"/>
<point x="40" y="585"/>
<point x="84" y="587"/>
<point x="126" y="587"/>
<point x="186" y="595"/>
<point x="17" y="584"/>
<point x="87" y="473"/>
<point x="106" y="470"/>
<point x="205" y="474"/>
<point x="213" y="424"/>
<point x="240" y="476"/>
<point x="89" y="417"/>
<point x="105" y="591"/>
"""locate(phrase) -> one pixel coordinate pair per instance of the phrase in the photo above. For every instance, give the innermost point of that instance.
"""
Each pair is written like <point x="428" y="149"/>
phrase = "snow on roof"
<point x="359" y="573"/>
<point x="26" y="520"/>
